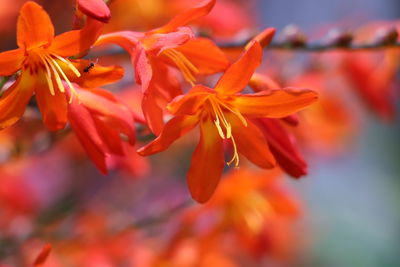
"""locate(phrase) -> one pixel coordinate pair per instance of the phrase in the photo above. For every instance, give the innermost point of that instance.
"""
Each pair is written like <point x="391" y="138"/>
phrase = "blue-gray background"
<point x="352" y="201"/>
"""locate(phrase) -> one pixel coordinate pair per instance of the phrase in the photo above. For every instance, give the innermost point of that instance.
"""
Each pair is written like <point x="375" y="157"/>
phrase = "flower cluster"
<point x="66" y="89"/>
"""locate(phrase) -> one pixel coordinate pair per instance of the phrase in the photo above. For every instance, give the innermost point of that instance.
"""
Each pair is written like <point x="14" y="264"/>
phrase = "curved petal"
<point x="165" y="80"/>
<point x="260" y="82"/>
<point x="265" y="37"/>
<point x="152" y="112"/>
<point x="274" y="104"/>
<point x="173" y="129"/>
<point x="283" y="148"/>
<point x="85" y="129"/>
<point x="76" y="43"/>
<point x="238" y="75"/>
<point x="207" y="163"/>
<point x="214" y="60"/>
<point x="53" y="107"/>
<point x="11" y="61"/>
<point x="190" y="103"/>
<point x="96" y="9"/>
<point x="34" y="27"/>
<point x="159" y="42"/>
<point x="187" y="16"/>
<point x="95" y="75"/>
<point x="109" y="135"/>
<point x="125" y="39"/>
<point x="251" y="143"/>
<point x="143" y="69"/>
<point x="102" y="103"/>
<point x="13" y="102"/>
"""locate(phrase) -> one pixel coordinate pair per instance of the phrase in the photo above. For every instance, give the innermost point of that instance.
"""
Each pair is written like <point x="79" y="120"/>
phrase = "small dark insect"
<point x="88" y="68"/>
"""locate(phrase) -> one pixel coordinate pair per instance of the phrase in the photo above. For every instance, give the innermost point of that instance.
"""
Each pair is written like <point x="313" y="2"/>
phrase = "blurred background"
<point x="351" y="199"/>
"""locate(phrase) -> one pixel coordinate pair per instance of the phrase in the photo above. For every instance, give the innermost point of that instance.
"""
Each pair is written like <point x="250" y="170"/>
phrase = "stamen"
<point x="48" y="75"/>
<point x="220" y="132"/>
<point x="71" y="87"/>
<point x="69" y="64"/>
<point x="57" y="76"/>
<point x="220" y="118"/>
<point x="187" y="68"/>
<point x="236" y="112"/>
<point x="186" y="61"/>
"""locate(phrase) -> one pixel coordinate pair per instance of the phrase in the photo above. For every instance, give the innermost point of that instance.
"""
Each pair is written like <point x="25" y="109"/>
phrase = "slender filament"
<point x="187" y="68"/>
<point x="54" y="70"/>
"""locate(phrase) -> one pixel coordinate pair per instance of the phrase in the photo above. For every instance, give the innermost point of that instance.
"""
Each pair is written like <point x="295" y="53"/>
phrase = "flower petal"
<point x="162" y="89"/>
<point x="34" y="26"/>
<point x="76" y="43"/>
<point x="85" y="129"/>
<point x="260" y="82"/>
<point x="214" y="60"/>
<point x="126" y="39"/>
<point x="187" y="16"/>
<point x="158" y="42"/>
<point x="283" y="148"/>
<point x="11" y="61"/>
<point x="173" y="129"/>
<point x="207" y="163"/>
<point x="152" y="112"/>
<point x="274" y="104"/>
<point x="239" y="73"/>
<point x="103" y="104"/>
<point x="109" y="135"/>
<point x="92" y="77"/>
<point x="190" y="103"/>
<point x="143" y="69"/>
<point x="96" y="9"/>
<point x="53" y="107"/>
<point x="265" y="37"/>
<point x="13" y="102"/>
<point x="251" y="142"/>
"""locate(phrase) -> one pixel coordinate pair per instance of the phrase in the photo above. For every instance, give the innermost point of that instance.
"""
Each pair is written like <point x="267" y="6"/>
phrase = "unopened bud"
<point x="386" y="36"/>
<point x="341" y="38"/>
<point x="292" y="36"/>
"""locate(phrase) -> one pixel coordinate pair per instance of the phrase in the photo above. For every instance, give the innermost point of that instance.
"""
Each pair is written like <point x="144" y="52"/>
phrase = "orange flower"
<point x="170" y="45"/>
<point x="42" y="59"/>
<point x="247" y="199"/>
<point x="225" y="114"/>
